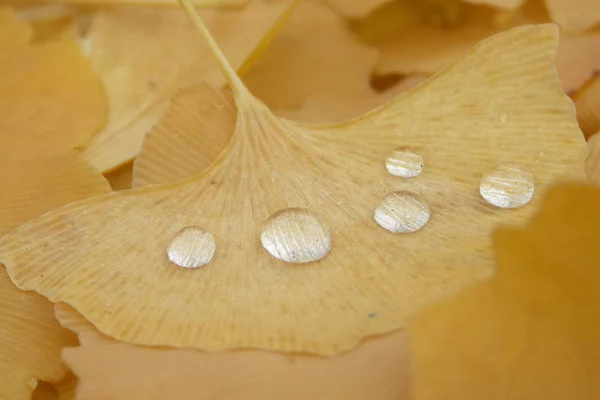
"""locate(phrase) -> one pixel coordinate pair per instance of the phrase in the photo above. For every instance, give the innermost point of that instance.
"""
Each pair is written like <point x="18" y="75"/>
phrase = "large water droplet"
<point x="402" y="212"/>
<point x="405" y="163"/>
<point x="507" y="186"/>
<point x="296" y="235"/>
<point x="192" y="247"/>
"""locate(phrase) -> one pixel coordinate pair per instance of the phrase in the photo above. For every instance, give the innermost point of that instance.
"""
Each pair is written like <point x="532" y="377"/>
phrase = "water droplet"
<point x="405" y="163"/>
<point x="192" y="247"/>
<point x="296" y="235"/>
<point x="402" y="212"/>
<point x="507" y="186"/>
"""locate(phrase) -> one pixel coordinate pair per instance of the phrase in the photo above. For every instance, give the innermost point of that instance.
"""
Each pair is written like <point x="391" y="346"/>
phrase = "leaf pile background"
<point x="98" y="97"/>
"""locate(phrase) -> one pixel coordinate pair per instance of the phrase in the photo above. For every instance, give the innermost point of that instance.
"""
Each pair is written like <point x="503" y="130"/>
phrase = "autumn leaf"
<point x="133" y="50"/>
<point x="531" y="332"/>
<point x="587" y="103"/>
<point x="271" y="168"/>
<point x="592" y="163"/>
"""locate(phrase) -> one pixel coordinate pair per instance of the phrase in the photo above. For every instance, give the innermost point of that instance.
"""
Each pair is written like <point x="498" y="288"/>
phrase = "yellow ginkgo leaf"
<point x="144" y="55"/>
<point x="419" y="47"/>
<point x="41" y="85"/>
<point x="109" y="369"/>
<point x="532" y="332"/>
<point x="13" y="31"/>
<point x="314" y="54"/>
<point x="592" y="164"/>
<point x="30" y="337"/>
<point x="307" y="242"/>
<point x="507" y="4"/>
<point x="587" y="103"/>
<point x="574" y="15"/>
<point x="199" y="3"/>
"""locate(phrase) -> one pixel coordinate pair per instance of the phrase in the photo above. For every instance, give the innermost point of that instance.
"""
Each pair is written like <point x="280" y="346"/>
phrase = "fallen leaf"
<point x="418" y="47"/>
<point x="30" y="337"/>
<point x="372" y="280"/>
<point x="200" y="3"/>
<point x="43" y="84"/>
<point x="109" y="369"/>
<point x="314" y="54"/>
<point x="587" y="104"/>
<point x="532" y="332"/>
<point x="133" y="50"/>
<point x="592" y="164"/>
<point x="507" y="4"/>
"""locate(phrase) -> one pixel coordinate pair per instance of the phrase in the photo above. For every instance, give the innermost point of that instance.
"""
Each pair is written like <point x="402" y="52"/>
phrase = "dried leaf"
<point x="133" y="50"/>
<point x="587" y="104"/>
<point x="46" y="82"/>
<point x="418" y="47"/>
<point x="109" y="369"/>
<point x="592" y="164"/>
<point x="372" y="280"/>
<point x="30" y="337"/>
<point x="532" y="332"/>
<point x="313" y="54"/>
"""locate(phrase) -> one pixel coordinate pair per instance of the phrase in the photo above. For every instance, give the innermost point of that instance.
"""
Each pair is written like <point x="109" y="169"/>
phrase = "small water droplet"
<point x="192" y="247"/>
<point x="507" y="186"/>
<point x="405" y="163"/>
<point x="402" y="212"/>
<point x="297" y="236"/>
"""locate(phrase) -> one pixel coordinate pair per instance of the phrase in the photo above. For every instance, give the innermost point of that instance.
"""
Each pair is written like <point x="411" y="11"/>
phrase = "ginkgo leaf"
<point x="317" y="189"/>
<point x="30" y="337"/>
<point x="508" y="4"/>
<point x="41" y="85"/>
<point x="532" y="332"/>
<point x="133" y="50"/>
<point x="426" y="48"/>
<point x="574" y="15"/>
<point x="592" y="163"/>
<point x="110" y="369"/>
<point x="587" y="104"/>
<point x="355" y="8"/>
<point x="200" y="3"/>
<point x="313" y="54"/>
<point x="14" y="32"/>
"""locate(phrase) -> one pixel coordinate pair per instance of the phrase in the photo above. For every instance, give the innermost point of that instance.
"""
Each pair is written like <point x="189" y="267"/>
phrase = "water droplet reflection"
<point x="507" y="186"/>
<point x="296" y="235"/>
<point x="402" y="212"/>
<point x="192" y="247"/>
<point x="405" y="163"/>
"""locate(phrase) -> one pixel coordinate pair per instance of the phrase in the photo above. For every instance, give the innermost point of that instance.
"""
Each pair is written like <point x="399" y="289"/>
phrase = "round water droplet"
<point x="402" y="212"/>
<point x="507" y="186"/>
<point x="296" y="235"/>
<point x="405" y="163"/>
<point x="192" y="247"/>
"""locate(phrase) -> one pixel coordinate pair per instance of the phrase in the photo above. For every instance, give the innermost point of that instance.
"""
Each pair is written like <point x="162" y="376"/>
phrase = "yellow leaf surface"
<point x="419" y="47"/>
<point x="30" y="337"/>
<point x="370" y="280"/>
<point x="508" y="4"/>
<point x="592" y="164"/>
<point x="109" y="369"/>
<point x="134" y="49"/>
<point x="121" y="178"/>
<point x="13" y="31"/>
<point x="199" y="3"/>
<point x="587" y="104"/>
<point x="532" y="331"/>
<point x="42" y="85"/>
<point x="313" y="54"/>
